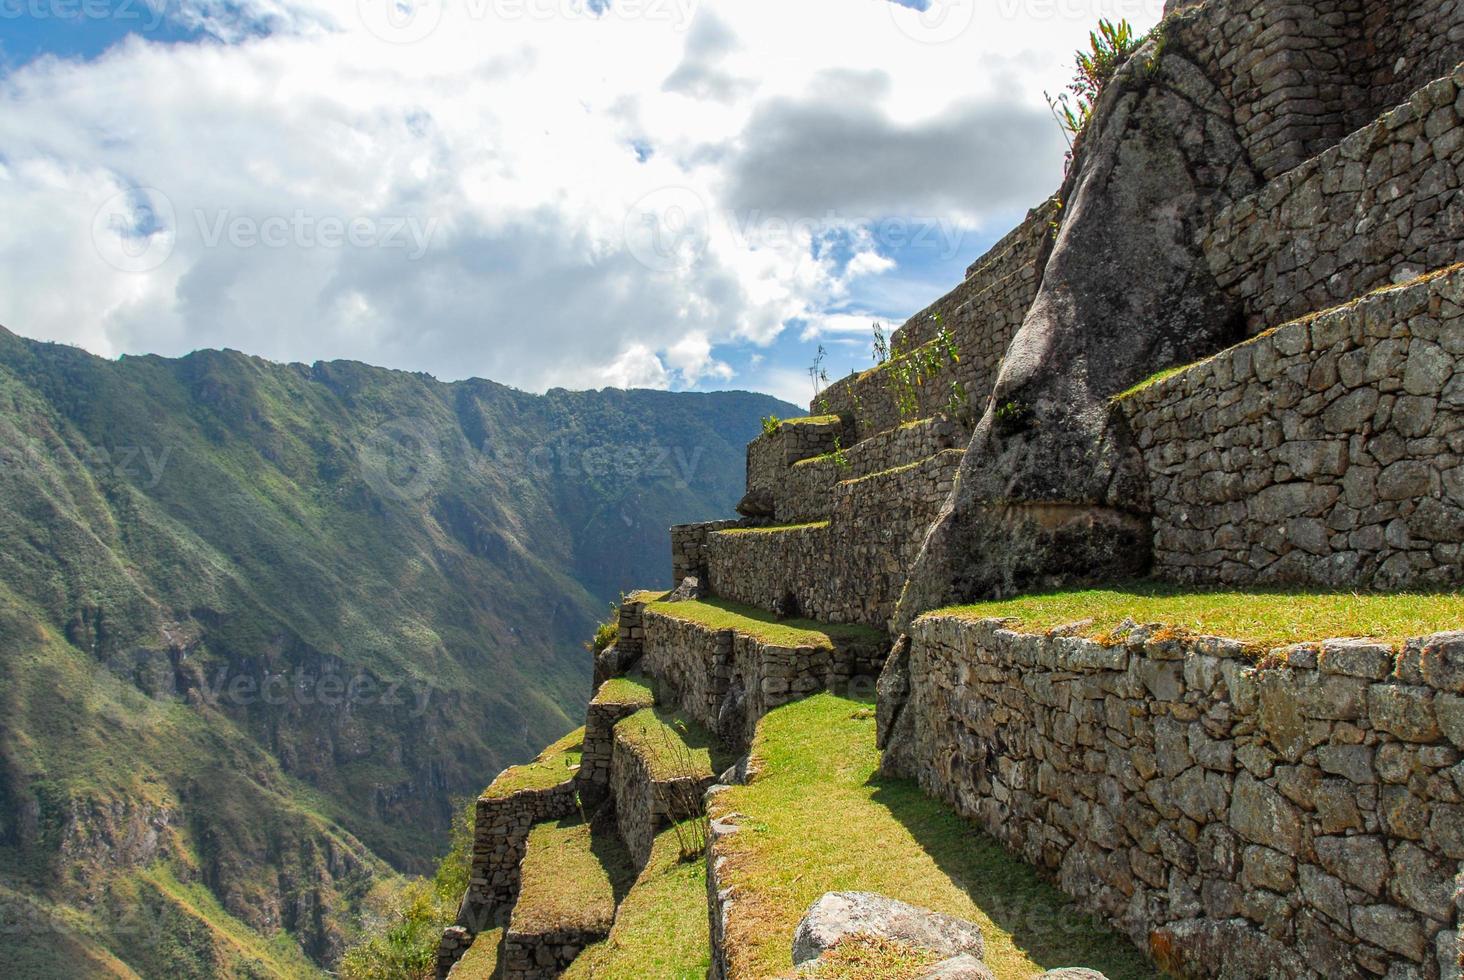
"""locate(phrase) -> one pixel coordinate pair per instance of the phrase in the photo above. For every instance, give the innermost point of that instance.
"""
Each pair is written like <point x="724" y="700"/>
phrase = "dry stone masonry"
<point x="1303" y="818"/>
<point x="1328" y="452"/>
<point x="501" y="830"/>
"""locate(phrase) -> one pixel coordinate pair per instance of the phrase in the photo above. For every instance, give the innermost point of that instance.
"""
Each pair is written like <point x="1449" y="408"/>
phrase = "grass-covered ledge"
<point x="554" y="766"/>
<point x="1260" y="617"/>
<point x="749" y="621"/>
<point x="773" y="529"/>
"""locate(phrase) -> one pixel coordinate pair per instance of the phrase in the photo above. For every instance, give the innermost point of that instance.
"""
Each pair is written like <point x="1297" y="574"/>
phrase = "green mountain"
<point x="261" y="625"/>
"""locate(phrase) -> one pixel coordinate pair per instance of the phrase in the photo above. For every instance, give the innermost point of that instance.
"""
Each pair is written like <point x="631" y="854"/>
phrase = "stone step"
<point x="662" y="765"/>
<point x="805" y="490"/>
<point x="849" y="569"/>
<point x="726" y="665"/>
<point x="616" y="699"/>
<point x="573" y="876"/>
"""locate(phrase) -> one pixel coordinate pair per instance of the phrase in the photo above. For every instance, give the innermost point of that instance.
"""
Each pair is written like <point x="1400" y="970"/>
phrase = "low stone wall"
<point x="645" y="805"/>
<point x="805" y="490"/>
<point x="850" y="570"/>
<point x="1329" y="452"/>
<point x="1301" y="820"/>
<point x="543" y="956"/>
<point x="720" y="897"/>
<point x="769" y="456"/>
<point x="594" y="777"/>
<point x="689" y="549"/>
<point x="500" y="834"/>
<point x="1382" y="205"/>
<point x="727" y="682"/>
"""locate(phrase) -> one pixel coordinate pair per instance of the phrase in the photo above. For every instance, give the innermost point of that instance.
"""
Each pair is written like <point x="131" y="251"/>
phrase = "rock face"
<point x="839" y="915"/>
<point x="1051" y="490"/>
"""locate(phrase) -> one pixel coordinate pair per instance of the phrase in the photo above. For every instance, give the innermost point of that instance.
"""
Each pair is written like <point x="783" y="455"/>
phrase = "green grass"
<point x="813" y="420"/>
<point x="1263" y="617"/>
<point x="661" y="929"/>
<point x="719" y="614"/>
<point x="646" y="595"/>
<point x="773" y="529"/>
<point x="882" y="474"/>
<point x="672" y="747"/>
<point x="554" y="765"/>
<point x="573" y="876"/>
<point x="480" y="962"/>
<point x="1155" y="379"/>
<point x="625" y="690"/>
<point x="819" y="818"/>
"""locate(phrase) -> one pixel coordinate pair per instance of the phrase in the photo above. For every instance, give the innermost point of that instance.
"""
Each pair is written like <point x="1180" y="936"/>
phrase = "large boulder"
<point x="839" y="915"/>
<point x="1052" y="492"/>
<point x="963" y="967"/>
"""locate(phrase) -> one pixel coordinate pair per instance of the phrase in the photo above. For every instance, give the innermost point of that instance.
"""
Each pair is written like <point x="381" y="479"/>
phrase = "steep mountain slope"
<point x="260" y="624"/>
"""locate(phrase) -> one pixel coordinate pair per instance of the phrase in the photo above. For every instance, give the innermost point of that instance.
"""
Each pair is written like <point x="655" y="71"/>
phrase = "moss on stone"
<point x="773" y="529"/>
<point x="555" y="765"/>
<point x="1266" y="617"/>
<point x="758" y="624"/>
<point x="870" y="958"/>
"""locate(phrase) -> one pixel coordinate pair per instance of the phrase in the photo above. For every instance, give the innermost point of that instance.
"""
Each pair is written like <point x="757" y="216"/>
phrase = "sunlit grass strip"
<point x="625" y="690"/>
<point x="671" y="747"/>
<point x="571" y="876"/>
<point x="772" y="529"/>
<point x="818" y="818"/>
<point x="1265" y="617"/>
<point x="661" y="927"/>
<point x="554" y="765"/>
<point x="719" y="614"/>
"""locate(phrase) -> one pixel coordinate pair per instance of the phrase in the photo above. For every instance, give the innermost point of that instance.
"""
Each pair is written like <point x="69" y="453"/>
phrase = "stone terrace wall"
<point x="805" y="491"/>
<point x="1329" y="452"/>
<point x="982" y="314"/>
<point x="1297" y="821"/>
<point x="544" y="956"/>
<point x="850" y="570"/>
<point x="1299" y="76"/>
<point x="500" y="834"/>
<point x="1381" y="206"/>
<point x="645" y="805"/>
<point x="689" y="550"/>
<point x="594" y="777"/>
<point x="727" y="682"/>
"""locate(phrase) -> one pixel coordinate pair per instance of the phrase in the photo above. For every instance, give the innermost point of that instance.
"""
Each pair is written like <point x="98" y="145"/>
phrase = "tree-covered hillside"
<point x="261" y="624"/>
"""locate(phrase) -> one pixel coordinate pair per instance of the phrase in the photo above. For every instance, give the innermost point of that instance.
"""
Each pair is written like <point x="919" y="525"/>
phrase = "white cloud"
<point x="507" y="146"/>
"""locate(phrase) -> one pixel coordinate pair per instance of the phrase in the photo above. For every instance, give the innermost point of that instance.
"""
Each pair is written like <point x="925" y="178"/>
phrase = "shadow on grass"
<point x="1042" y="921"/>
<point x="610" y="851"/>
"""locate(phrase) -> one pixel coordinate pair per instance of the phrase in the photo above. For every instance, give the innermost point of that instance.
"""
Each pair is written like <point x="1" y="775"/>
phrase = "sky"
<point x="678" y="194"/>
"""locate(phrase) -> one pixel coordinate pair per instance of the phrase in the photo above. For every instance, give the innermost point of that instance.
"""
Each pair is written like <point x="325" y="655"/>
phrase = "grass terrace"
<point x="672" y="746"/>
<point x="661" y="929"/>
<point x="554" y="765"/>
<point x="480" y="962"/>
<point x="1261" y="617"/>
<point x="758" y="624"/>
<point x="812" y="420"/>
<point x="646" y="595"/>
<point x="625" y="690"/>
<point x="773" y="529"/>
<point x="573" y="876"/>
<point x="819" y="818"/>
